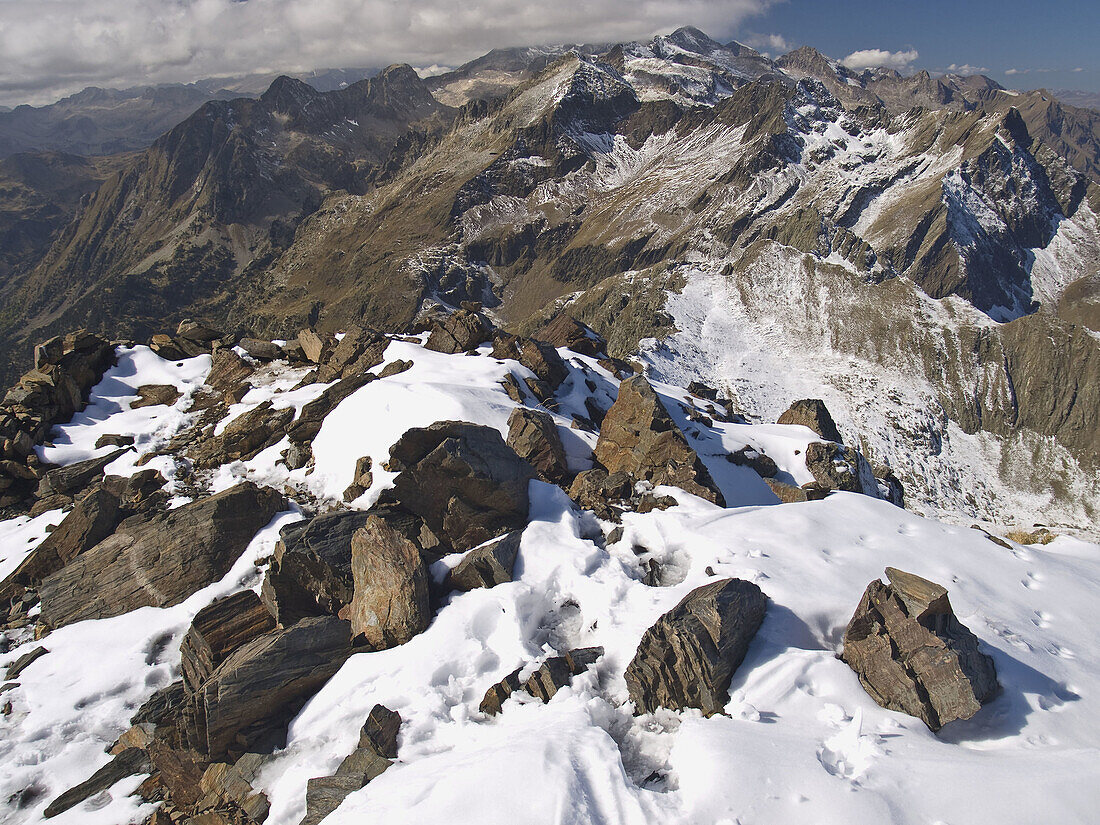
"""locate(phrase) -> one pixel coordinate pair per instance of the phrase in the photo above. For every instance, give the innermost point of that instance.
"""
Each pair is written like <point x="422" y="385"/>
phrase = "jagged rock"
<point x="836" y="467"/>
<point x="161" y="705"/>
<point x="488" y="565"/>
<point x="463" y="480"/>
<point x="228" y="371"/>
<point x="297" y="456"/>
<point x="362" y="480"/>
<point x="639" y="437"/>
<point x="245" y="436"/>
<point x="217" y="630"/>
<point x="358" y="351"/>
<point x="137" y="736"/>
<point x="94" y="517"/>
<point x="114" y="440"/>
<point x="890" y="486"/>
<point x="758" y="461"/>
<point x="913" y="655"/>
<point x="566" y="331"/>
<point x="380" y="731"/>
<point x="127" y="763"/>
<point x="395" y="368"/>
<point x="316" y="348"/>
<point x="232" y="785"/>
<point x="198" y="333"/>
<point x="461" y="331"/>
<point x="812" y="413"/>
<point x="264" y="682"/>
<point x="539" y="357"/>
<point x="554" y="674"/>
<point x="168" y="347"/>
<point x="179" y="770"/>
<point x="789" y="493"/>
<point x="24" y="661"/>
<point x="534" y="437"/>
<point x="512" y="388"/>
<point x="150" y="395"/>
<point x="688" y="657"/>
<point x="260" y="350"/>
<point x="74" y="478"/>
<point x="159" y="560"/>
<point x="306" y="426"/>
<point x="603" y="493"/>
<point x="701" y="390"/>
<point x="310" y="574"/>
<point x="139" y="492"/>
<point x="390" y="604"/>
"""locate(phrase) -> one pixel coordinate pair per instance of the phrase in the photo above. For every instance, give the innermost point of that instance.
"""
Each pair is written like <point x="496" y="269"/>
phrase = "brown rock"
<point x="554" y="674"/>
<point x="219" y="629"/>
<point x="362" y="481"/>
<point x="639" y="437"/>
<point x="687" y="659"/>
<point x="461" y="331"/>
<point x="127" y="763"/>
<point x="390" y="604"/>
<point x="812" y="413"/>
<point x="308" y="423"/>
<point x="245" y="436"/>
<point x="260" y="350"/>
<point x="150" y="395"/>
<point x="159" y="560"/>
<point x="913" y="655"/>
<point x="228" y="371"/>
<point x="566" y="331"/>
<point x="605" y="495"/>
<point x="539" y="357"/>
<point x="316" y="348"/>
<point x="395" y="368"/>
<point x="758" y="461"/>
<point x="75" y="478"/>
<point x="24" y="661"/>
<point x="535" y="438"/>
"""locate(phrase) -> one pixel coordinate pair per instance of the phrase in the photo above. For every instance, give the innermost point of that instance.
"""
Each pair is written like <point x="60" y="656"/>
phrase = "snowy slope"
<point x="801" y="741"/>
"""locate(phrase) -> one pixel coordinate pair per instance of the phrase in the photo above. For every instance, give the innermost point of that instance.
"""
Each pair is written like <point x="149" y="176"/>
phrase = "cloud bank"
<point x="52" y="47"/>
<point x="880" y="59"/>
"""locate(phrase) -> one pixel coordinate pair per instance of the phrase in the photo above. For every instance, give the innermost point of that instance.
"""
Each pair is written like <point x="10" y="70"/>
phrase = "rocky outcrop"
<point x="219" y="629"/>
<point x="310" y="573"/>
<point x="75" y="478"/>
<point x="640" y="438"/>
<point x="566" y="331"/>
<point x="486" y="566"/>
<point x="554" y="674"/>
<point x="534" y="437"/>
<point x="688" y="657"/>
<point x="836" y="467"/>
<point x="463" y="480"/>
<point x="539" y="357"/>
<point x="913" y="655"/>
<point x="390" y="604"/>
<point x="160" y="560"/>
<point x="262" y="684"/>
<point x="461" y="331"/>
<point x="812" y="413"/>
<point x="308" y="423"/>
<point x="358" y="351"/>
<point x="244" y="437"/>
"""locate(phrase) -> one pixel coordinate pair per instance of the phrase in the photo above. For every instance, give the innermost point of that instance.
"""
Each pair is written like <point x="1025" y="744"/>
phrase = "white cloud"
<point x="966" y="68"/>
<point x="1016" y="71"/>
<point x="774" y="43"/>
<point x="51" y="47"/>
<point x="880" y="59"/>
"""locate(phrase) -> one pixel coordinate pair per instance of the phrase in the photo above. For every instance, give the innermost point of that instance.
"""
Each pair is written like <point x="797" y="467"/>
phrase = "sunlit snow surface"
<point x="802" y="741"/>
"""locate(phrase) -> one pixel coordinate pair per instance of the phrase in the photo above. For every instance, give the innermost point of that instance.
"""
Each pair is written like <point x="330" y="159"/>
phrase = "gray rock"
<point x="535" y="438"/>
<point x="836" y="467"/>
<point x="554" y="674"/>
<point x="244" y="437"/>
<point x="219" y="629"/>
<point x="539" y="357"/>
<point x="913" y="655"/>
<point x="380" y="731"/>
<point x="461" y="331"/>
<point x="812" y="413"/>
<point x="488" y="565"/>
<point x="308" y="423"/>
<point x="129" y="762"/>
<point x="758" y="461"/>
<point x="24" y="661"/>
<point x="74" y="478"/>
<point x="159" y="560"/>
<point x="688" y="657"/>
<point x="463" y="480"/>
<point x="260" y="350"/>
<point x="390" y="604"/>
<point x="639" y="437"/>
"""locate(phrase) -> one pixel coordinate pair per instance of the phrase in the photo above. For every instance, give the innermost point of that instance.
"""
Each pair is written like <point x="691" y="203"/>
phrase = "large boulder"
<point x="159" y="560"/>
<point x="461" y="331"/>
<point x="264" y="683"/>
<point x="566" y="331"/>
<point x="94" y="517"/>
<point x="463" y="480"/>
<point x="687" y="659"/>
<point x="539" y="357"/>
<point x="535" y="438"/>
<point x="310" y="574"/>
<point x="219" y="629"/>
<point x="391" y="603"/>
<point x="913" y="655"/>
<point x="812" y="413"/>
<point x="639" y="437"/>
<point x="358" y="351"/>
<point x="488" y="565"/>
<point x="836" y="467"/>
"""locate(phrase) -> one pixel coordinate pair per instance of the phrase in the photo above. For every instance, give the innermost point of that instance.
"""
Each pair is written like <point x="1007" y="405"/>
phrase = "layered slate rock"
<point x="390" y="604"/>
<point x="539" y="357"/>
<point x="535" y="438"/>
<point x="551" y="676"/>
<point x="639" y="437"/>
<point x="461" y="331"/>
<point x="308" y="423"/>
<point x="688" y="657"/>
<point x="488" y="565"/>
<point x="358" y="351"/>
<point x="245" y="436"/>
<point x="264" y="682"/>
<point x="463" y="480"/>
<point x="94" y="517"/>
<point x="812" y="413"/>
<point x="129" y="762"/>
<point x="75" y="478"/>
<point x="375" y="753"/>
<point x="219" y="629"/>
<point x="836" y="467"/>
<point x="566" y="331"/>
<point x="913" y="655"/>
<point x="159" y="560"/>
<point x="310" y="574"/>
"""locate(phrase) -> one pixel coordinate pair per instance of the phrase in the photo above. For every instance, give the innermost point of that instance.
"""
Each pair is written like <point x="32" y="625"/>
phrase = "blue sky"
<point x="1024" y="45"/>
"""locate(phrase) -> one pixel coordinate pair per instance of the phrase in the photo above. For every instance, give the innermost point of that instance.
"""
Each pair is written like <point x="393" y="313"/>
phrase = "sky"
<point x="49" y="48"/>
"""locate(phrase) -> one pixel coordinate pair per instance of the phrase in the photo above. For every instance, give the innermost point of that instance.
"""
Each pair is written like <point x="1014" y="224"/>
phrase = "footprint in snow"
<point x="849" y="753"/>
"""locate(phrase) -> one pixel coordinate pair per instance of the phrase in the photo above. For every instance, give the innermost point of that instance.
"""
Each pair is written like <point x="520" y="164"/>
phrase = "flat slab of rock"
<point x="390" y="604"/>
<point x="688" y="657"/>
<point x="913" y="655"/>
<point x="129" y="762"/>
<point x="463" y="480"/>
<point x="639" y="437"/>
<point x="812" y="413"/>
<point x="554" y="674"/>
<point x="160" y="560"/>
